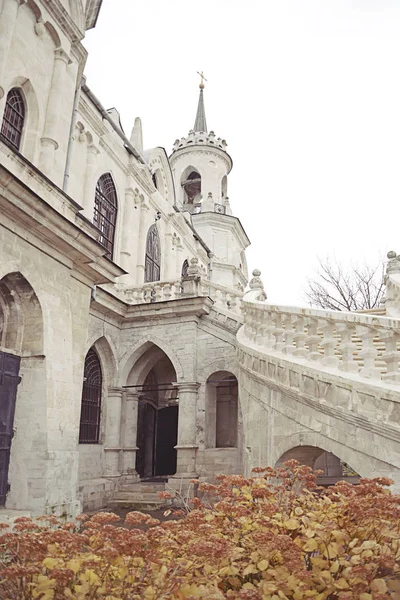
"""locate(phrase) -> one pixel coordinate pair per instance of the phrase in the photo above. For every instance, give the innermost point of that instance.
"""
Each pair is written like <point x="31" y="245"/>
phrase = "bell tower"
<point x="201" y="165"/>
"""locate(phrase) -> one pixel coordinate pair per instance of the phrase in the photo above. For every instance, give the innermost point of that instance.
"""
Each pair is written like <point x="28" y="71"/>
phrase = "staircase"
<point x="142" y="496"/>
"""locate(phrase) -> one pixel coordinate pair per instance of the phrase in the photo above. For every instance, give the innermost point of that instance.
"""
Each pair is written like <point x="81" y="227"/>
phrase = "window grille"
<point x="13" y="118"/>
<point x="153" y="256"/>
<point x="89" y="431"/>
<point x="105" y="212"/>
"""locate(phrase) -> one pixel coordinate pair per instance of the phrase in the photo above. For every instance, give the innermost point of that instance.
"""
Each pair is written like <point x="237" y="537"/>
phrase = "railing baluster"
<point x="278" y="332"/>
<point x="329" y="344"/>
<point x="313" y="339"/>
<point x="299" y="337"/>
<point x="391" y="356"/>
<point x="347" y="348"/>
<point x="368" y="353"/>
<point x="289" y="347"/>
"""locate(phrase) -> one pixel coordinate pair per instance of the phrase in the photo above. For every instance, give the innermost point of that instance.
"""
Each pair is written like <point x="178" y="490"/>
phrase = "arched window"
<point x="224" y="187"/>
<point x="105" y="211"/>
<point x="153" y="256"/>
<point x="13" y="118"/>
<point x="185" y="267"/>
<point x="192" y="188"/>
<point x="89" y="429"/>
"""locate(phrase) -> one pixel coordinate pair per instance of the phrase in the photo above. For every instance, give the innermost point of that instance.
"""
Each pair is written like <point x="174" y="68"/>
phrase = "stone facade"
<point x="122" y="273"/>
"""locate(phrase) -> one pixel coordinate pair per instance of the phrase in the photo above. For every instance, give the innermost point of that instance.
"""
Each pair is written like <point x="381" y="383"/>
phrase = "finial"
<point x="203" y="79"/>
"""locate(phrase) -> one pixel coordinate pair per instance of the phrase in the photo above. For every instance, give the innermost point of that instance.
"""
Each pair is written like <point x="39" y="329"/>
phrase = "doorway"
<point x="157" y="437"/>
<point x="9" y="380"/>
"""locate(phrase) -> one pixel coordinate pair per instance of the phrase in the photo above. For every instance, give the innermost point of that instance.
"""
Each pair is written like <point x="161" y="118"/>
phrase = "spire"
<point x="200" y="123"/>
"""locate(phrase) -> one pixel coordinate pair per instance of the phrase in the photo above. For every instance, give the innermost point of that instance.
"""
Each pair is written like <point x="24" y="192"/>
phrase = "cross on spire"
<point x="203" y="79"/>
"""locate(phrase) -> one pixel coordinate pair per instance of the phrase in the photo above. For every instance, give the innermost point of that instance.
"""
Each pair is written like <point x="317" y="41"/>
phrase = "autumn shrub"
<point x="272" y="536"/>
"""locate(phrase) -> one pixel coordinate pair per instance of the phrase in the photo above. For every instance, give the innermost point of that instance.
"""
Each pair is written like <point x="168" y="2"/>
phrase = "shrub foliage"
<point x="274" y="536"/>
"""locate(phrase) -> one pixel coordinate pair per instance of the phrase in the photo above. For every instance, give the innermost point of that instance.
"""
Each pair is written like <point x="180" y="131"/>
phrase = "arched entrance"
<point x="152" y="378"/>
<point x="334" y="469"/>
<point x="21" y="354"/>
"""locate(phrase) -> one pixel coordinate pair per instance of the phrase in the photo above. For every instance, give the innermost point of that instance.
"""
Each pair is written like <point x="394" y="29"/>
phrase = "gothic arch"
<point x="53" y="34"/>
<point x="32" y="116"/>
<point x="21" y="320"/>
<point x="153" y="255"/>
<point x="107" y="353"/>
<point x="132" y="356"/>
<point x="358" y="461"/>
<point x="223" y="364"/>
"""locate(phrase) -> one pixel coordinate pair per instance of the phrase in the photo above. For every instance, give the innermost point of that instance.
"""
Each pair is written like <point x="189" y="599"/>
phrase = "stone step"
<point x="143" y="487"/>
<point x="138" y="496"/>
<point x="140" y="505"/>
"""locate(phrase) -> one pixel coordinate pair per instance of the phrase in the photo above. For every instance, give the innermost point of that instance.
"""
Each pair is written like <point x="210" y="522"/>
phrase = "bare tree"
<point x="353" y="288"/>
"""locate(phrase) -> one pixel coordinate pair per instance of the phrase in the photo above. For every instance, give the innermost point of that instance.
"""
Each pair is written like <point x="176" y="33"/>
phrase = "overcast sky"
<point x="307" y="95"/>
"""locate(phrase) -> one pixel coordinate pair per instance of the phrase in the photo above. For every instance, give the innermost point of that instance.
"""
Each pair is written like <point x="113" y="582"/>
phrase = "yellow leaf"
<point x="74" y="564"/>
<point x="149" y="593"/>
<point x="291" y="524"/>
<point x="365" y="596"/>
<point x="310" y="545"/>
<point x="335" y="567"/>
<point x="378" y="586"/>
<point x="262" y="565"/>
<point x="341" y="584"/>
<point x="249" y="569"/>
<point x="298" y="511"/>
<point x="332" y="550"/>
<point x="51" y="563"/>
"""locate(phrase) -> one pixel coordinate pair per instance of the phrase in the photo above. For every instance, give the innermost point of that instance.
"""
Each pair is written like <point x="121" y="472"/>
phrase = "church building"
<point x="121" y="276"/>
<point x="131" y="353"/>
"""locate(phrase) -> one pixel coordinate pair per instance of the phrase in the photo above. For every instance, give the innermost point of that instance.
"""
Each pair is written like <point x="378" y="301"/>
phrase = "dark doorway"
<point x="167" y="437"/>
<point x="156" y="440"/>
<point x="9" y="380"/>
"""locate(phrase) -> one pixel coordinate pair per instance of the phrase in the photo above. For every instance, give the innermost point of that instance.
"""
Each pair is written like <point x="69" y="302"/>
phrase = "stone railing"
<point x="156" y="291"/>
<point x="354" y="343"/>
<point x="192" y="285"/>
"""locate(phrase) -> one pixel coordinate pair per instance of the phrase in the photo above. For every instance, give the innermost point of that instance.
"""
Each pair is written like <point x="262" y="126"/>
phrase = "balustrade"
<point x="350" y="342"/>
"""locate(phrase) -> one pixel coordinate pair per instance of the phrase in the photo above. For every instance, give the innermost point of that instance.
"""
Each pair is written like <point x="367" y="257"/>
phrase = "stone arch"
<point x="107" y="353"/>
<point x="22" y="334"/>
<point x="222" y="364"/>
<point x="132" y="356"/>
<point x="21" y="321"/>
<point x="29" y="142"/>
<point x="35" y="9"/>
<point x="191" y="184"/>
<point x="53" y="34"/>
<point x="222" y="410"/>
<point x="363" y="465"/>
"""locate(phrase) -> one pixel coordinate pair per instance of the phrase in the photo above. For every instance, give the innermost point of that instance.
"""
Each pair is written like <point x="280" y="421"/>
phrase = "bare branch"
<point x="357" y="287"/>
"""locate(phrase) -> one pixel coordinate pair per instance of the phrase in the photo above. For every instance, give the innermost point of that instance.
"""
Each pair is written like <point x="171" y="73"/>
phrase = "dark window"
<point x="154" y="178"/>
<point x="192" y="187"/>
<point x="105" y="212"/>
<point x="13" y="118"/>
<point x="89" y="430"/>
<point x="185" y="267"/>
<point x="153" y="256"/>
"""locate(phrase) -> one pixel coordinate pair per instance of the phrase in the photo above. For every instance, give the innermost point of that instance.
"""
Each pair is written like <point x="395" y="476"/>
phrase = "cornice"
<point x="227" y="221"/>
<point x="24" y="207"/>
<point x="201" y="150"/>
<point x="64" y="20"/>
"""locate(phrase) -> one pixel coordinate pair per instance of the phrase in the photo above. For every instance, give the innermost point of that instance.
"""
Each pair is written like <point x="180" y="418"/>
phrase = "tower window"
<point x="89" y="430"/>
<point x="105" y="212"/>
<point x="153" y="256"/>
<point x="192" y="188"/>
<point x="13" y="118"/>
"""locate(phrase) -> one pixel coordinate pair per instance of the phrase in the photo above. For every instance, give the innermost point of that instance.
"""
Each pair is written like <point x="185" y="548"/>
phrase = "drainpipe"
<point x="106" y="116"/>
<point x="71" y="135"/>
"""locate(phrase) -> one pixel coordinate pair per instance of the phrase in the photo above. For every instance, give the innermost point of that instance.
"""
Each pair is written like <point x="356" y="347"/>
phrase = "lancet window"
<point x="153" y="255"/>
<point x="105" y="212"/>
<point x="89" y="430"/>
<point x="13" y="118"/>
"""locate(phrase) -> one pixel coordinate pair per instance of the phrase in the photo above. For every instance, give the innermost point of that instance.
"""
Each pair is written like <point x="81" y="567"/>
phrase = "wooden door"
<point x="9" y="380"/>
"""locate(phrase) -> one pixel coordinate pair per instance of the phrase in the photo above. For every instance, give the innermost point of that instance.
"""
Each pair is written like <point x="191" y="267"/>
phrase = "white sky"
<point x="307" y="95"/>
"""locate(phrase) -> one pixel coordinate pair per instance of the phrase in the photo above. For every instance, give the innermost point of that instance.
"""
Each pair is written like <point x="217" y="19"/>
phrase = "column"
<point x="112" y="446"/>
<point x="130" y="433"/>
<point x="179" y="259"/>
<point x="141" y="248"/>
<point x="8" y="18"/>
<point x="90" y="185"/>
<point x="127" y="235"/>
<point x="187" y="419"/>
<point x="48" y="141"/>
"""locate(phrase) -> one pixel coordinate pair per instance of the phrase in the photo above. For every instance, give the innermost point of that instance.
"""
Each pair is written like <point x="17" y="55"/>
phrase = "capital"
<point x="188" y="386"/>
